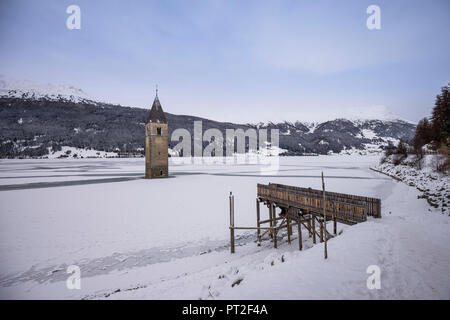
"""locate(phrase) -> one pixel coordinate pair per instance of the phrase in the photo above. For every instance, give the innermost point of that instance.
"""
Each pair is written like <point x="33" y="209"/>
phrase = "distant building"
<point x="156" y="142"/>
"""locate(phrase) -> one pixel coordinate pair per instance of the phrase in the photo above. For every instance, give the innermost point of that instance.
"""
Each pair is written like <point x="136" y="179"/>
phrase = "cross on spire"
<point x="156" y="89"/>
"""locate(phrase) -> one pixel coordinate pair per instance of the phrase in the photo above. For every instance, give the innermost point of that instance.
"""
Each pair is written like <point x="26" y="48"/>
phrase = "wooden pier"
<point x="291" y="206"/>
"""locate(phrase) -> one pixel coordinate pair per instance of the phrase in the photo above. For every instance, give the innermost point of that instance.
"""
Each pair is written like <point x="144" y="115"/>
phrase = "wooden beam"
<point x="252" y="228"/>
<point x="269" y="220"/>
<point x="268" y="230"/>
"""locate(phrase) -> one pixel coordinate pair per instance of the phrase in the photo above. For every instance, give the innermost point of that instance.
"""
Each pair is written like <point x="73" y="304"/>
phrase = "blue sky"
<point x="241" y="61"/>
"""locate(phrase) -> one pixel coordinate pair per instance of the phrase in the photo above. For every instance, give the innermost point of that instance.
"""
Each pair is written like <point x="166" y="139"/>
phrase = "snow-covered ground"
<point x="435" y="186"/>
<point x="73" y="152"/>
<point x="154" y="239"/>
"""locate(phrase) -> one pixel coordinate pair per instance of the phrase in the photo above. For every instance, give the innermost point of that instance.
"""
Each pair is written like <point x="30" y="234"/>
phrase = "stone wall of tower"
<point x="156" y="150"/>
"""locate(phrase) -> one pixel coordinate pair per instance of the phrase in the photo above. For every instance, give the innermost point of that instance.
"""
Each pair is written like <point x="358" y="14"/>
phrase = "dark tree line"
<point x="435" y="131"/>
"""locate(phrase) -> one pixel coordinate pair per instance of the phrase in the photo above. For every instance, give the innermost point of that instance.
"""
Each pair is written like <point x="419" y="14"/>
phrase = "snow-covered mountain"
<point x="35" y="118"/>
<point x="311" y="116"/>
<point x="342" y="135"/>
<point x="26" y="89"/>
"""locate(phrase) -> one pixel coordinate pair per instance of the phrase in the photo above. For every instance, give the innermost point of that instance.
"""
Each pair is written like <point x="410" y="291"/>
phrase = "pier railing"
<point x="345" y="208"/>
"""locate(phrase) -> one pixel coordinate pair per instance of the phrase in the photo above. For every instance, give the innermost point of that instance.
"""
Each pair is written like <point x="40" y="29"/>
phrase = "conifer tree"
<point x="441" y="116"/>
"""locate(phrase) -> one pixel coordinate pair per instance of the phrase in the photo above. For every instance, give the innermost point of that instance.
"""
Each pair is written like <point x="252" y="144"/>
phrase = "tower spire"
<point x="156" y="112"/>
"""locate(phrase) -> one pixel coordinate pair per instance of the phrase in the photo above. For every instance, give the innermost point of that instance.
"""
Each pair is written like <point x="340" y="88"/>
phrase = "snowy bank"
<point x="73" y="152"/>
<point x="433" y="185"/>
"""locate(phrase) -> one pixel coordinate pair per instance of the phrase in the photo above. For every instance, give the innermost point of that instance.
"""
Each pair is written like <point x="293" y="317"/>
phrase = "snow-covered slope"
<point x="435" y="186"/>
<point x="27" y="89"/>
<point x="77" y="153"/>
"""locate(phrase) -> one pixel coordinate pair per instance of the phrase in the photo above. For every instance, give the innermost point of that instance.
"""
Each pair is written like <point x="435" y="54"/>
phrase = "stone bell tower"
<point x="156" y="142"/>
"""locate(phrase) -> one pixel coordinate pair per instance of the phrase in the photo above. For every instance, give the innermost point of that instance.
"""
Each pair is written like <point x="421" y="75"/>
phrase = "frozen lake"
<point x="102" y="214"/>
<point x="61" y="211"/>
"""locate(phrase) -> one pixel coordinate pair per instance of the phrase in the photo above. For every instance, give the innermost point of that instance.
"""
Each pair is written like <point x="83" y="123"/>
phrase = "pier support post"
<point x="258" y="219"/>
<point x="231" y="223"/>
<point x="309" y="225"/>
<point x="321" y="230"/>
<point x="275" y="244"/>
<point x="334" y="225"/>
<point x="270" y="219"/>
<point x="299" y="233"/>
<point x="288" y="221"/>
<point x="290" y="225"/>
<point x="274" y="226"/>
<point x="313" y="228"/>
<point x="324" y="219"/>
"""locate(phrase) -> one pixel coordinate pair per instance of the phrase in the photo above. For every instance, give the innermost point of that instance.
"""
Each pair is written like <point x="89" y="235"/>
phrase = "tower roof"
<point x="156" y="112"/>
